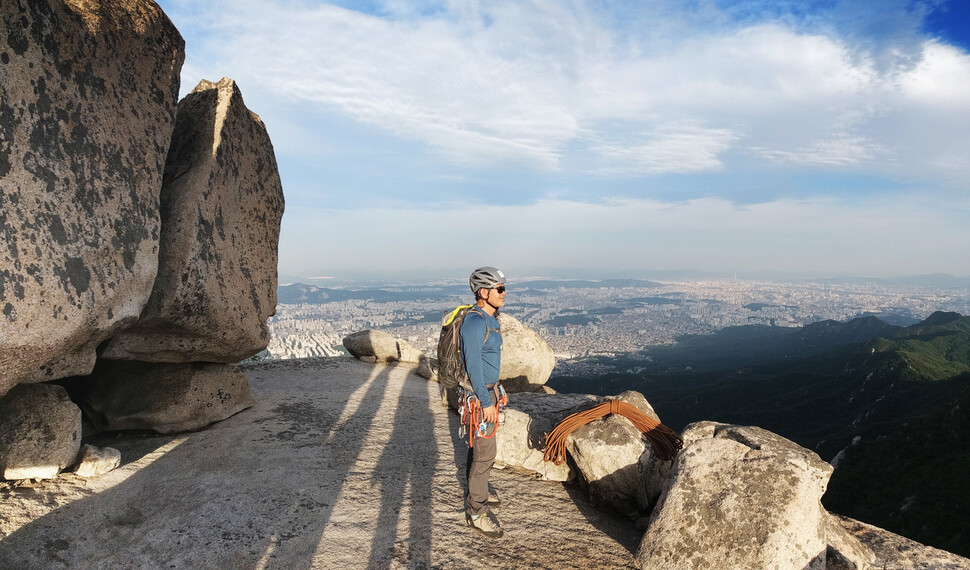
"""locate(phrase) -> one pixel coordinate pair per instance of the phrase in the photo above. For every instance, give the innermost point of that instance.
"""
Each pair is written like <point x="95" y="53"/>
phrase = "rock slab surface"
<point x="87" y="105"/>
<point x="340" y="464"/>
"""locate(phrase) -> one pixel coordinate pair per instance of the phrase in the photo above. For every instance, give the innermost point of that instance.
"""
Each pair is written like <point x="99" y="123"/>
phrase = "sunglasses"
<point x="500" y="289"/>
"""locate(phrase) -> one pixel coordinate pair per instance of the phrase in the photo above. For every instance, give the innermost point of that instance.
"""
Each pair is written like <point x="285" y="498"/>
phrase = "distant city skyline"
<point x="791" y="138"/>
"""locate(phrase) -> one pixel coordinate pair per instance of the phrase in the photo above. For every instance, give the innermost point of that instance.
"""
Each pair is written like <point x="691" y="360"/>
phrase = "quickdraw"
<point x="472" y="418"/>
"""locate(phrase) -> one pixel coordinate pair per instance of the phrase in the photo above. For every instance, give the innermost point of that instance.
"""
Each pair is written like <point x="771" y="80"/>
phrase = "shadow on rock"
<point x="258" y="488"/>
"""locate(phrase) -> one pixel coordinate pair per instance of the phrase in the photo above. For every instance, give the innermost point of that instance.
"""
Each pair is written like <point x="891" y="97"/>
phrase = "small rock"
<point x="93" y="461"/>
<point x="425" y="370"/>
<point x="380" y="346"/>
<point x="845" y="551"/>
<point x="40" y="431"/>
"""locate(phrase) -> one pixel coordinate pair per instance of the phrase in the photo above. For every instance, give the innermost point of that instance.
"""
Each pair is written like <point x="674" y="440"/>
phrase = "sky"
<point x="594" y="138"/>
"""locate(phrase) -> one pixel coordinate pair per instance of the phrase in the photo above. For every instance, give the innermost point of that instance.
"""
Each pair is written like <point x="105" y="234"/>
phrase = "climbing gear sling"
<point x="472" y="418"/>
<point x="665" y="441"/>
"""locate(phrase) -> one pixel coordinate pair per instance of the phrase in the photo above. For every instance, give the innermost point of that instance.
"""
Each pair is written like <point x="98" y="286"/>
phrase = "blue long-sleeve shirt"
<point x="482" y="356"/>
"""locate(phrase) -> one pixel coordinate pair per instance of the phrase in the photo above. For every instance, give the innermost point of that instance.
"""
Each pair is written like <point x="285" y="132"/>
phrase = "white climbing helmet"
<point x="485" y="278"/>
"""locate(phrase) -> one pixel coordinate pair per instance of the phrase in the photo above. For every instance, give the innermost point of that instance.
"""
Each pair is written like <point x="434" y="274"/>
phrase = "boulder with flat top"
<point x="616" y="460"/>
<point x="521" y="439"/>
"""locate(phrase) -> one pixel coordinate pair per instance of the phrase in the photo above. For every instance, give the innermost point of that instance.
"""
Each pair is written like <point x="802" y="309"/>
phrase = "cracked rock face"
<point x="87" y="104"/>
<point x="221" y="205"/>
<point x="741" y="494"/>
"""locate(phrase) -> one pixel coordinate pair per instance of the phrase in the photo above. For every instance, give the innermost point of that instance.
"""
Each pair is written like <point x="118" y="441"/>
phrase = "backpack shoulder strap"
<point x="483" y="314"/>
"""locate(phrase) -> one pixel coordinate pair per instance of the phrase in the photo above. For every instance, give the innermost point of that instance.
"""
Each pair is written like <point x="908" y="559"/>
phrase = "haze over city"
<point x="425" y="138"/>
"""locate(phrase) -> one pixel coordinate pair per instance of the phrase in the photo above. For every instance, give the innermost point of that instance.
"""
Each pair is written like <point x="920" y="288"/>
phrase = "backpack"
<point x="451" y="369"/>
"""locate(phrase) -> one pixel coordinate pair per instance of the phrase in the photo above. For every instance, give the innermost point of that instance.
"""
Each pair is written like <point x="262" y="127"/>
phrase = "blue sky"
<point x="427" y="138"/>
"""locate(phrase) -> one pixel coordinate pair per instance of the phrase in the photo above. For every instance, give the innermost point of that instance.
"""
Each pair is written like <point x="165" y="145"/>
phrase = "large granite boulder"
<point x="527" y="361"/>
<point x="166" y="398"/>
<point x="379" y="346"/>
<point x="40" y="432"/>
<point x="743" y="495"/>
<point x="221" y="206"/>
<point x="521" y="440"/>
<point x="87" y="105"/>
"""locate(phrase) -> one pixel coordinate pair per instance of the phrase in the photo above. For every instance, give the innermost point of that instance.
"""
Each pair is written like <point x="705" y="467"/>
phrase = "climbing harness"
<point x="665" y="441"/>
<point x="472" y="416"/>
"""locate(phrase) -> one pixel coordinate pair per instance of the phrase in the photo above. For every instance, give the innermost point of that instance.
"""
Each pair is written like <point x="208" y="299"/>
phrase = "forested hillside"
<point x="824" y="386"/>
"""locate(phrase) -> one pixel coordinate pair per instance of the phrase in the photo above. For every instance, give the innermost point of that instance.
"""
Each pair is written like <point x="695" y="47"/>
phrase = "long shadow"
<point x="408" y="448"/>
<point x="256" y="490"/>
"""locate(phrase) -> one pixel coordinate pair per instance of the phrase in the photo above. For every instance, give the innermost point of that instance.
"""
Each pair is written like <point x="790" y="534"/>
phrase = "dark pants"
<point x="479" y="464"/>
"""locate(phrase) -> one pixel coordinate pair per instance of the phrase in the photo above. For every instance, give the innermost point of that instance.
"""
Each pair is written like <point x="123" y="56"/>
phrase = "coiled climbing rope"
<point x="665" y="441"/>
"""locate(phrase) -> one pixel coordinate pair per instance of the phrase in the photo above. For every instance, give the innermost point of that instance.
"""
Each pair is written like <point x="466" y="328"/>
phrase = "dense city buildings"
<point x="582" y="321"/>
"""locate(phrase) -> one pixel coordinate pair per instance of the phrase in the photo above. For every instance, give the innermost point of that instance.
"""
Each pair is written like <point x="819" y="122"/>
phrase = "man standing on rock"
<point x="481" y="350"/>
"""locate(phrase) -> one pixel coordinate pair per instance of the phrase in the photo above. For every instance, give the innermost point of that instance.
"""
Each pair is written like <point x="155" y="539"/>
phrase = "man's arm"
<point x="472" y="334"/>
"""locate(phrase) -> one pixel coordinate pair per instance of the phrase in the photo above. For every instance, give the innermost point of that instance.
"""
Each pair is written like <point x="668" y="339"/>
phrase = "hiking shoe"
<point x="485" y="523"/>
<point x="493" y="500"/>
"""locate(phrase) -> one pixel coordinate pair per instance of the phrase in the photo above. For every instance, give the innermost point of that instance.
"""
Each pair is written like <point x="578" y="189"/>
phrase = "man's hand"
<point x="490" y="414"/>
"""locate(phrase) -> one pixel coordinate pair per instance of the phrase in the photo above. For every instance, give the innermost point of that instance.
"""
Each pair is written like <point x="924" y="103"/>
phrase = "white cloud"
<point x="629" y="92"/>
<point x="942" y="77"/>
<point x="840" y="151"/>
<point x="674" y="148"/>
<point x="529" y="83"/>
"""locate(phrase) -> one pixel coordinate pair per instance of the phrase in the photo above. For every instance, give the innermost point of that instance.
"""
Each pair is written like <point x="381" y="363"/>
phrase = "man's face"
<point x="495" y="298"/>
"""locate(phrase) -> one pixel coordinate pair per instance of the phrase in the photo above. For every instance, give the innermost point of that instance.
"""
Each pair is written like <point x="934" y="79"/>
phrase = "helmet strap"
<point x="481" y="301"/>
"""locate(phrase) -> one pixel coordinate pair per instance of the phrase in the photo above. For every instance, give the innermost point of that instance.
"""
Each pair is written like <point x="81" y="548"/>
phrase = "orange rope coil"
<point x="665" y="441"/>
